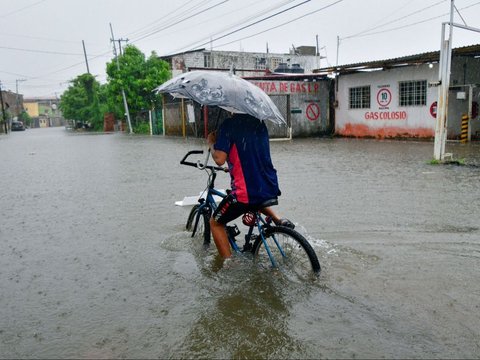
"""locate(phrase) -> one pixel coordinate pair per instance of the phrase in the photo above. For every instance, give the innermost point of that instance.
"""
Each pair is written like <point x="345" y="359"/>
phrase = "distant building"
<point x="299" y="60"/>
<point x="44" y="111"/>
<point x="13" y="106"/>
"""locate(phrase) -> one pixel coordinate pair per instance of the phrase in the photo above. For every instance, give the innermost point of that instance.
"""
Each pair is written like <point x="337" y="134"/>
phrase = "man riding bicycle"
<point x="242" y="141"/>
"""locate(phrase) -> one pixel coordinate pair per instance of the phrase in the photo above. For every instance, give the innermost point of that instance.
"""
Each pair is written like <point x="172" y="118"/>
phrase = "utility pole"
<point x="338" y="46"/>
<point x="444" y="80"/>
<point x="17" y="97"/>
<point x="125" y="104"/>
<point x="120" y="45"/>
<point x="4" y="115"/>
<point x="85" y="53"/>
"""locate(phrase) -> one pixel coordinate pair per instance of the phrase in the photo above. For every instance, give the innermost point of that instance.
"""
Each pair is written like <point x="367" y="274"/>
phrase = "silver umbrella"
<point x="226" y="90"/>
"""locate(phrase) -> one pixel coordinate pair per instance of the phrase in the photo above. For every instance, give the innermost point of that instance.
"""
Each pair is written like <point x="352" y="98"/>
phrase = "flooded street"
<point x="95" y="261"/>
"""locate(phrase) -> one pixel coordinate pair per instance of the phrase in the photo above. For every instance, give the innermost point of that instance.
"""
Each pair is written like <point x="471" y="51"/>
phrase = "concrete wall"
<point x="32" y="108"/>
<point x="241" y="60"/>
<point x="309" y="104"/>
<point x="389" y="120"/>
<point x="385" y="119"/>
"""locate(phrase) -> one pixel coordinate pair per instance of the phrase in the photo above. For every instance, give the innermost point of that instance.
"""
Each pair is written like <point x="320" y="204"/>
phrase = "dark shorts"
<point x="229" y="209"/>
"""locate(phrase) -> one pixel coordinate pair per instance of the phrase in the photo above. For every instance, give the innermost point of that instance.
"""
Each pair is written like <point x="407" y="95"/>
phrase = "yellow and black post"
<point x="464" y="131"/>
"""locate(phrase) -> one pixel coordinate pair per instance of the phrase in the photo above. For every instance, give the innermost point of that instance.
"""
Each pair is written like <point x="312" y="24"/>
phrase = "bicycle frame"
<point x="260" y="223"/>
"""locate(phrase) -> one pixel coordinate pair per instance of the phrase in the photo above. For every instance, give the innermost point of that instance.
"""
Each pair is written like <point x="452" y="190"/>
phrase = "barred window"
<point x="260" y="63"/>
<point x="359" y="97"/>
<point x="274" y="62"/>
<point x="207" y="60"/>
<point x="413" y="93"/>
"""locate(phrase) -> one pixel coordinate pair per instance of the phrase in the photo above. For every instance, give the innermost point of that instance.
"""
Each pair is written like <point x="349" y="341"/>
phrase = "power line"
<point x="415" y="23"/>
<point x="180" y="21"/>
<point x="255" y="23"/>
<point x="240" y="22"/>
<point x="40" y="51"/>
<point x="393" y="21"/>
<point x="285" y="23"/>
<point x="23" y="8"/>
<point x="148" y="28"/>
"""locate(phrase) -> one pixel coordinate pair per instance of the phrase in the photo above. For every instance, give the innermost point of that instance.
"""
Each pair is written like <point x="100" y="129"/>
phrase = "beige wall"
<point x="32" y="108"/>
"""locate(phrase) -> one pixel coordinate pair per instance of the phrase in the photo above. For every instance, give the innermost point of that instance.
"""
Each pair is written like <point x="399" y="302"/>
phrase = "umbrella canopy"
<point x="226" y="90"/>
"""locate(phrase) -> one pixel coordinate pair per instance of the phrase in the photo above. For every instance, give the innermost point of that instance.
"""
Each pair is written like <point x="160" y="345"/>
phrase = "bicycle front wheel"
<point x="198" y="223"/>
<point x="290" y="250"/>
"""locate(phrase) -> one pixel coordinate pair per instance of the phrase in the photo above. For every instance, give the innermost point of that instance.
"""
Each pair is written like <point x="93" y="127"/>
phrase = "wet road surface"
<point x="95" y="262"/>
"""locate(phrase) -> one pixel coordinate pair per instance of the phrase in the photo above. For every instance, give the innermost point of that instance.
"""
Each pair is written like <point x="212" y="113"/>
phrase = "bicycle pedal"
<point x="233" y="231"/>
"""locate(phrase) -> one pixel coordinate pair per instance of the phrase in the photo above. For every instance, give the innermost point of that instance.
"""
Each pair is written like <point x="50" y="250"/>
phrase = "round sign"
<point x="384" y="97"/>
<point x="433" y="109"/>
<point x="313" y="111"/>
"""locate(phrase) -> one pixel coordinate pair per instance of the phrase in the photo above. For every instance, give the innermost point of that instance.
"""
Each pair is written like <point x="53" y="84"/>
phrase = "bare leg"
<point x="269" y="212"/>
<point x="220" y="238"/>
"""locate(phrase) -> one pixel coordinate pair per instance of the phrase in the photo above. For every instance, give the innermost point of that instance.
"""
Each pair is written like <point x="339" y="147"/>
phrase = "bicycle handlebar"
<point x="199" y="165"/>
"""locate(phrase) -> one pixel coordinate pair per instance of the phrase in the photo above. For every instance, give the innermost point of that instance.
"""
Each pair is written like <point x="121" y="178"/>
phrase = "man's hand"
<point x="212" y="138"/>
<point x="218" y="156"/>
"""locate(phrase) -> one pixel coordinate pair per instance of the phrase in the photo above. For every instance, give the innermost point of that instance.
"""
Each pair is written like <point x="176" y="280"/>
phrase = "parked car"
<point x="17" y="126"/>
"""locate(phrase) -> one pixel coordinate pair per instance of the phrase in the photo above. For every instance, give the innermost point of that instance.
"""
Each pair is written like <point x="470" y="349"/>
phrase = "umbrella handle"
<point x="204" y="165"/>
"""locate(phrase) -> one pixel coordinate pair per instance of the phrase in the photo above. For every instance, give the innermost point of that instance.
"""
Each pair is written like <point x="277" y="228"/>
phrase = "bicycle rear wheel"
<point x="298" y="255"/>
<point x="199" y="223"/>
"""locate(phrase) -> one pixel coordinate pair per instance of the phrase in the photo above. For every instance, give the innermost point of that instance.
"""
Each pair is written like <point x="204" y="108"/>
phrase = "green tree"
<point x="80" y="102"/>
<point x="25" y="118"/>
<point x="138" y="76"/>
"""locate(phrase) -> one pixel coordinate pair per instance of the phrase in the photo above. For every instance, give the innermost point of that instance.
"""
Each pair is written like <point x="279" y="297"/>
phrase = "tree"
<point x="25" y="118"/>
<point x="138" y="77"/>
<point x="80" y="102"/>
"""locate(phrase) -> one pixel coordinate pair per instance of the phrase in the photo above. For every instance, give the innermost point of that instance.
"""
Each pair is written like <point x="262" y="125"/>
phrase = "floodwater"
<point x="95" y="262"/>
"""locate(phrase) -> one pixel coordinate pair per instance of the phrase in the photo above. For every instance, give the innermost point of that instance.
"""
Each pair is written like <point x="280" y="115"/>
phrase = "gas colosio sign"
<point x="384" y="98"/>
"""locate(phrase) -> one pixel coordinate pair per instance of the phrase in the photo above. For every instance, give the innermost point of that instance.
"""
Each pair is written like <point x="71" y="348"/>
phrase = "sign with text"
<point x="288" y="87"/>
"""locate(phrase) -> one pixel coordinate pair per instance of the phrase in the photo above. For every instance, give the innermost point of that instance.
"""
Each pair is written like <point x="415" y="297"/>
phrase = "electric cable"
<point x="23" y="8"/>
<point x="252" y="24"/>
<point x="416" y="23"/>
<point x="393" y="21"/>
<point x="285" y="23"/>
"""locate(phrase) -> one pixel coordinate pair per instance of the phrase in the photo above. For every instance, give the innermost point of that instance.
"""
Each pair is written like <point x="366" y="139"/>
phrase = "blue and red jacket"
<point x="245" y="140"/>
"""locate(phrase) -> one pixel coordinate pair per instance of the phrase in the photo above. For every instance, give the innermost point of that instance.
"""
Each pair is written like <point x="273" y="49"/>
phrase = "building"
<point x="397" y="98"/>
<point x="13" y="107"/>
<point x="301" y="59"/>
<point x="303" y="98"/>
<point x="44" y="111"/>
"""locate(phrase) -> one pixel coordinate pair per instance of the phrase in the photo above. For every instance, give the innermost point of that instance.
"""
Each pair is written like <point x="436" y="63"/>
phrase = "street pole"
<point x="338" y="46"/>
<point x="17" y="105"/>
<point x="85" y="53"/>
<point x="125" y="104"/>
<point x="444" y="78"/>
<point x="3" y="110"/>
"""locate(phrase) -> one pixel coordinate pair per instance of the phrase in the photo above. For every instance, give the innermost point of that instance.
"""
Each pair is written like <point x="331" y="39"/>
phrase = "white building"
<point x="397" y="98"/>
<point x="302" y="60"/>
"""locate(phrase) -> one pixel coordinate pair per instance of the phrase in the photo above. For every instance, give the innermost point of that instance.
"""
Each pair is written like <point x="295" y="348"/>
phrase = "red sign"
<point x="433" y="109"/>
<point x="384" y="97"/>
<point x="313" y="111"/>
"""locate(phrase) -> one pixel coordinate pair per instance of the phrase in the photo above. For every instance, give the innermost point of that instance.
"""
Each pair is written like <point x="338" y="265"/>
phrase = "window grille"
<point x="207" y="60"/>
<point x="274" y="62"/>
<point x="413" y="93"/>
<point x="359" y="97"/>
<point x="260" y="63"/>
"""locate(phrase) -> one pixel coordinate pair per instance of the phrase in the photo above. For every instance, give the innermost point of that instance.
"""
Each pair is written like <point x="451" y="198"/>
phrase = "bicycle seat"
<point x="267" y="203"/>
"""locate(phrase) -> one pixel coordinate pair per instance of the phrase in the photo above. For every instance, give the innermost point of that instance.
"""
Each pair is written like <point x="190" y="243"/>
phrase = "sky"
<point x="41" y="47"/>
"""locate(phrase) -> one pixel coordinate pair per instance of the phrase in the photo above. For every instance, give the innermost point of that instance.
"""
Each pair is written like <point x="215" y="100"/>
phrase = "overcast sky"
<point x="41" y="40"/>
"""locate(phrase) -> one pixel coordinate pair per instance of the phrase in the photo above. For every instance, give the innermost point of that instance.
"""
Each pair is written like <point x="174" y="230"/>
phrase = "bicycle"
<point x="270" y="245"/>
